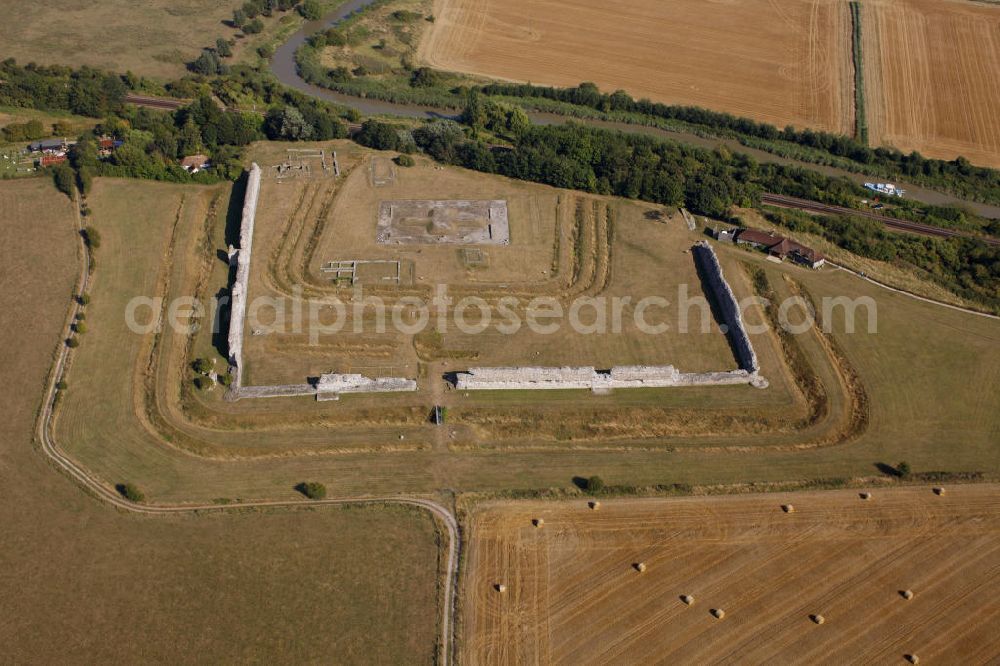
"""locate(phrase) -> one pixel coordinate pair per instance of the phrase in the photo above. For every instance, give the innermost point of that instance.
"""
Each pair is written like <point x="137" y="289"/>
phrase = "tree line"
<point x="580" y="157"/>
<point x="959" y="175"/>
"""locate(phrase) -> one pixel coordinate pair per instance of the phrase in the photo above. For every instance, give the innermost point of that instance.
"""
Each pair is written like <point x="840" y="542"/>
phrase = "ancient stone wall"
<point x="586" y="377"/>
<point x="728" y="306"/>
<point x="353" y="383"/>
<point x="238" y="299"/>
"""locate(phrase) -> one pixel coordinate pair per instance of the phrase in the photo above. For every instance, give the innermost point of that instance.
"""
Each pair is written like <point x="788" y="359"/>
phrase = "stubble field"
<point x="781" y="63"/>
<point x="574" y="595"/>
<point x="931" y="73"/>
<point x="82" y="582"/>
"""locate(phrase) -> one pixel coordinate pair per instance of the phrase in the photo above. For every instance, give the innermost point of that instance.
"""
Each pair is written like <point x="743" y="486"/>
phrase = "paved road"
<point x="102" y="491"/>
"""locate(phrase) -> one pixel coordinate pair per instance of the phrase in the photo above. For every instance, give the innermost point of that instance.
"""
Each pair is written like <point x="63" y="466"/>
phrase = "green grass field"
<point x="83" y="582"/>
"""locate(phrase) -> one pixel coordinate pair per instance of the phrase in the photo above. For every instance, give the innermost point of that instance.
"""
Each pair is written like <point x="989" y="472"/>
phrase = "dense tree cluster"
<point x="84" y="91"/>
<point x="209" y="63"/>
<point x="957" y="174"/>
<point x="151" y="142"/>
<point x="27" y="131"/>
<point x="497" y="117"/>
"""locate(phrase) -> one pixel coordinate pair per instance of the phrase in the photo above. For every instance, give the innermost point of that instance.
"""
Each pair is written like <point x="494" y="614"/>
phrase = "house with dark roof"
<point x="195" y="163"/>
<point x="48" y="146"/>
<point x="781" y="247"/>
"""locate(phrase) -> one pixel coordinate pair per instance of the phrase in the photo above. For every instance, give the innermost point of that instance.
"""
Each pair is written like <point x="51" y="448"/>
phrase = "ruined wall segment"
<point x="589" y="378"/>
<point x="238" y="296"/>
<point x="704" y="255"/>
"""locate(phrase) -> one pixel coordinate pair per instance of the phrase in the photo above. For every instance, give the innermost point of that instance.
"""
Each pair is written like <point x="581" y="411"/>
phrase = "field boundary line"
<point x="918" y="297"/>
<point x="860" y="116"/>
<point x="90" y="483"/>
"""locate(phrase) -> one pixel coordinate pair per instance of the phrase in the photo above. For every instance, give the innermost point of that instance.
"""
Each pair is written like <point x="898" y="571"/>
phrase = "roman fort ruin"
<point x="482" y="223"/>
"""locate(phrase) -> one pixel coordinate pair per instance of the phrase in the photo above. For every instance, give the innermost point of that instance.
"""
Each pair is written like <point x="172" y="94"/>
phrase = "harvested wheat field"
<point x="642" y="581"/>
<point x="782" y="63"/>
<point x="932" y="77"/>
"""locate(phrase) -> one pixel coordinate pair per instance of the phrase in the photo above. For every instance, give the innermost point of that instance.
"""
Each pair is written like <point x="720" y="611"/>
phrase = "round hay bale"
<point x="788" y="508"/>
<point x="500" y="587"/>
<point x="866" y="496"/>
<point x="906" y="594"/>
<point x="595" y="505"/>
<point x="640" y="566"/>
<point x="538" y="522"/>
<point x="818" y="619"/>
<point x="913" y="659"/>
<point x="939" y="491"/>
<point x="687" y="599"/>
<point x="718" y="613"/>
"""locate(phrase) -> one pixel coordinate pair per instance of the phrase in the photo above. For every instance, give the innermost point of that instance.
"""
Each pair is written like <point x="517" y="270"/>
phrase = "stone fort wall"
<point x="746" y="357"/>
<point x="238" y="295"/>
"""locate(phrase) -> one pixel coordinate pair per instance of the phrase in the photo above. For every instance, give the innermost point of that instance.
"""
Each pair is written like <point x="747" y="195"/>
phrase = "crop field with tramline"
<point x="931" y="72"/>
<point x="930" y="67"/>
<point x="783" y="63"/>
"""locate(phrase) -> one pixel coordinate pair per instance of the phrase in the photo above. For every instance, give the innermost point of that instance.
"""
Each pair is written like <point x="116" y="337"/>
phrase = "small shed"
<point x="195" y="163"/>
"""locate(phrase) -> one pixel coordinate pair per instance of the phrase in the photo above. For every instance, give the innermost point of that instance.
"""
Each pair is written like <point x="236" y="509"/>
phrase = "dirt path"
<point x="50" y="448"/>
<point x="912" y="295"/>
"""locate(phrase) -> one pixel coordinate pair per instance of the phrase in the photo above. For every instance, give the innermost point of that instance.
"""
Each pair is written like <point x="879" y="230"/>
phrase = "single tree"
<point x="311" y="10"/>
<point x="595" y="484"/>
<point x="64" y="178"/>
<point x="130" y="492"/>
<point x="903" y="469"/>
<point x="92" y="238"/>
<point x="312" y="489"/>
<point x="202" y="366"/>
<point x="286" y="123"/>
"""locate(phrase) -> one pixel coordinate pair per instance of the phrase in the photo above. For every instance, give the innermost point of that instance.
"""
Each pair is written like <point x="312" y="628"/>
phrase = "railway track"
<point x="156" y="102"/>
<point x="890" y="222"/>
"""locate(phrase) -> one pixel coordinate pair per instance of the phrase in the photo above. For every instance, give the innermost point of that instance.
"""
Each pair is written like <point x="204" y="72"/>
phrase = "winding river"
<point x="283" y="66"/>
